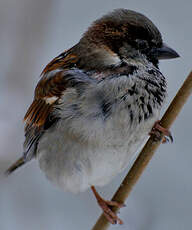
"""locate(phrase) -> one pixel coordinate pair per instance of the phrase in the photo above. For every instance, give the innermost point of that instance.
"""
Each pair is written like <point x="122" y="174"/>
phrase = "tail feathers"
<point x="16" y="165"/>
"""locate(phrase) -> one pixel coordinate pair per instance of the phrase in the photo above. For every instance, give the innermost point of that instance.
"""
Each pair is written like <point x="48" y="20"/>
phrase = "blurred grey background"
<point x="32" y="32"/>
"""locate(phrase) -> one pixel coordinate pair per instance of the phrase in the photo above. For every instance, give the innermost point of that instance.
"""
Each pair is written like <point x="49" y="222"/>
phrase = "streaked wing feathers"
<point x="41" y="114"/>
<point x="49" y="89"/>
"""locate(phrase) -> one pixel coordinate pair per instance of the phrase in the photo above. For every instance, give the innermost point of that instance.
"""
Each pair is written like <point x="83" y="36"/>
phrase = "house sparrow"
<point x="96" y="103"/>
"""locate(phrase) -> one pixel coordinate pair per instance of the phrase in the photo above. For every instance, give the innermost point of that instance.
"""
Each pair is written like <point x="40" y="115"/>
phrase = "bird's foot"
<point x="157" y="132"/>
<point x="106" y="207"/>
<point x="109" y="214"/>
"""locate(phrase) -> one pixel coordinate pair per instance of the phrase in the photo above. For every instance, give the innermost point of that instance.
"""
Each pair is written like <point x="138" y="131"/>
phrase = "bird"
<point x="96" y="103"/>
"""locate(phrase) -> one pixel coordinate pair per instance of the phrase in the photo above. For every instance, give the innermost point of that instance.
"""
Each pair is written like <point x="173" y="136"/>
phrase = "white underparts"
<point x="100" y="129"/>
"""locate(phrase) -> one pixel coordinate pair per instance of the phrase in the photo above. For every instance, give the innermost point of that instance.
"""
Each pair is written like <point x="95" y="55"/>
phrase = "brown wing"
<point x="58" y="75"/>
<point x="49" y="89"/>
<point x="47" y="93"/>
<point x="39" y="117"/>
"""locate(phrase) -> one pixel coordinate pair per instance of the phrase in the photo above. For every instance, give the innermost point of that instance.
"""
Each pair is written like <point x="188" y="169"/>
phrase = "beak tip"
<point x="176" y="55"/>
<point x="167" y="53"/>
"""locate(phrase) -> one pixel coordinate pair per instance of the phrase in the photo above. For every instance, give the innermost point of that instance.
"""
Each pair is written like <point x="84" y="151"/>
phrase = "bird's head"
<point x="125" y="34"/>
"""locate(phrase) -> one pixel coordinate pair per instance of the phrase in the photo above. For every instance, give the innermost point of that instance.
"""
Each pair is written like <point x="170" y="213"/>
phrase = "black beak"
<point x="165" y="52"/>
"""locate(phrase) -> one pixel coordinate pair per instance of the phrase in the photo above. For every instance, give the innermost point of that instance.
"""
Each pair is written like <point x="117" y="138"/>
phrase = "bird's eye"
<point x="142" y="44"/>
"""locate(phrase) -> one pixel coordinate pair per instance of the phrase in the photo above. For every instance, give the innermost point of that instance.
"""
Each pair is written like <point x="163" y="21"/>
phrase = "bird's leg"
<point x="105" y="206"/>
<point x="157" y="132"/>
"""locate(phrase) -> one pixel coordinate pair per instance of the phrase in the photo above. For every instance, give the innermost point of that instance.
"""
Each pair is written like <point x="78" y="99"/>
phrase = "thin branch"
<point x="148" y="151"/>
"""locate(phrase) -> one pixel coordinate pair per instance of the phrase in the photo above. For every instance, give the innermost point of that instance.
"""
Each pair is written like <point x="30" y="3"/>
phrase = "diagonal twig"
<point x="148" y="151"/>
